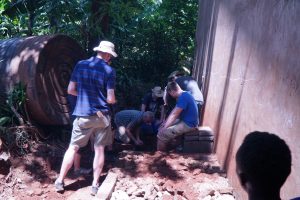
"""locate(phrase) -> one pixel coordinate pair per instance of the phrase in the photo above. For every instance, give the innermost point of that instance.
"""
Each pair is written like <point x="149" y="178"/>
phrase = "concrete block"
<point x="198" y="141"/>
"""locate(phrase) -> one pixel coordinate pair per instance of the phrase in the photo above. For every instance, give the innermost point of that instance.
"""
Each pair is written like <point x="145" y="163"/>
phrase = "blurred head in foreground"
<point x="263" y="165"/>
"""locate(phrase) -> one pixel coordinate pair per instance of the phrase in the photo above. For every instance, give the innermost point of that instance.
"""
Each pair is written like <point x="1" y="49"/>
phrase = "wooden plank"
<point x="107" y="187"/>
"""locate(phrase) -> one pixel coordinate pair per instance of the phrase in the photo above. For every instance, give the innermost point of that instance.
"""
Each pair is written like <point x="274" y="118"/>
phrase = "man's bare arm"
<point x="130" y="135"/>
<point x="172" y="117"/>
<point x="111" y="98"/>
<point x="72" y="88"/>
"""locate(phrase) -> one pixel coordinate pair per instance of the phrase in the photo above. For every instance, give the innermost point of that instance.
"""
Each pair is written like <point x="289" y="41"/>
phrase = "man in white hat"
<point x="106" y="47"/>
<point x="154" y="102"/>
<point x="93" y="82"/>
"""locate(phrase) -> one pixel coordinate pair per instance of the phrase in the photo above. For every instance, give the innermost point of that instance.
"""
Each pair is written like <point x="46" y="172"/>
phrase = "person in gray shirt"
<point x="186" y="83"/>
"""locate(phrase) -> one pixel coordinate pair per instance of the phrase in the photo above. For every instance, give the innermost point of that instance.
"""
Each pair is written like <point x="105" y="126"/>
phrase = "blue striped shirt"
<point x="93" y="77"/>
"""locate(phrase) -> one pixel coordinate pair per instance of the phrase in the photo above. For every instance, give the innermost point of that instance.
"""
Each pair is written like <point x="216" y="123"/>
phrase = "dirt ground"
<point x="141" y="175"/>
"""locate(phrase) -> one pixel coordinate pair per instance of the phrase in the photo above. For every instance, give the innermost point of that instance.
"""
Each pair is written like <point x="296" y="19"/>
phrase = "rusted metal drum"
<point x="44" y="65"/>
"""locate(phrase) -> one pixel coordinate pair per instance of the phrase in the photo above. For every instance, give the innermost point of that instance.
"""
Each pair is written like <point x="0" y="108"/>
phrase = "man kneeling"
<point x="128" y="124"/>
<point x="183" y="118"/>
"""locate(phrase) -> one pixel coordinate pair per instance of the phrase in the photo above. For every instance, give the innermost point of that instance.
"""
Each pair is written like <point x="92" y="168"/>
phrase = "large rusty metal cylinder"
<point x="44" y="65"/>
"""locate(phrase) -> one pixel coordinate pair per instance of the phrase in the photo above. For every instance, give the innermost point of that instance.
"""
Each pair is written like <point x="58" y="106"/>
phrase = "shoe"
<point x="59" y="187"/>
<point x="94" y="190"/>
<point x="179" y="149"/>
<point x="85" y="171"/>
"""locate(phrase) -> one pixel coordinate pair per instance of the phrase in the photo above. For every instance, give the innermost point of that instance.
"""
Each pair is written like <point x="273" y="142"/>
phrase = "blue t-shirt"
<point x="93" y="77"/>
<point x="189" y="114"/>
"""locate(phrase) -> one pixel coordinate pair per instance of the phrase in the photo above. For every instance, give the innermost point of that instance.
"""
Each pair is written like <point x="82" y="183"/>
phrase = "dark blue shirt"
<point x="189" y="114"/>
<point x="93" y="77"/>
<point x="153" y="105"/>
<point x="131" y="119"/>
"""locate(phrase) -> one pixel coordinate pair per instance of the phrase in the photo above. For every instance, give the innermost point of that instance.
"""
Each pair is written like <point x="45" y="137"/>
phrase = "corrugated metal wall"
<point x="248" y="61"/>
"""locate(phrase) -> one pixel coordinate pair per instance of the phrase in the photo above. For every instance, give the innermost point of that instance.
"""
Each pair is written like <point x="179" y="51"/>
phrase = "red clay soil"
<point x="160" y="175"/>
<point x="141" y="175"/>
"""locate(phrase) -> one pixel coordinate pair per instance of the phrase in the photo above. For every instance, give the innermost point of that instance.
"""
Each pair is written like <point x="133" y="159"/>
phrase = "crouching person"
<point x="183" y="118"/>
<point x="128" y="123"/>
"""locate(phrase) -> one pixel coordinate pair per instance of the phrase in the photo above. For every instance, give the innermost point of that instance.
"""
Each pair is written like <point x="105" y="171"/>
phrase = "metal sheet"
<point x="252" y="79"/>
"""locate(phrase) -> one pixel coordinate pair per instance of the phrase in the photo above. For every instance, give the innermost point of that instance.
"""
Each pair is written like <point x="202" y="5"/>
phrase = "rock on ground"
<point x="170" y="176"/>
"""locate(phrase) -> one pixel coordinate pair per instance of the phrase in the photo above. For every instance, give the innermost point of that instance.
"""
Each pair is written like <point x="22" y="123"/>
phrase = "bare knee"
<point x="73" y="148"/>
<point x="99" y="149"/>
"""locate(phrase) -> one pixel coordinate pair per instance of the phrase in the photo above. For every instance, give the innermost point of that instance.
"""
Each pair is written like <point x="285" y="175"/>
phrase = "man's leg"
<point x="98" y="163"/>
<point x="161" y="146"/>
<point x="78" y="138"/>
<point x="103" y="137"/>
<point x="165" y="137"/>
<point x="77" y="159"/>
<point x="77" y="169"/>
<point x="67" y="162"/>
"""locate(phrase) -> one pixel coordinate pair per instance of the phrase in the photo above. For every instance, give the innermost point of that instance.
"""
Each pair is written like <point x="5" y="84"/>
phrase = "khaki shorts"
<point x="98" y="129"/>
<point x="174" y="131"/>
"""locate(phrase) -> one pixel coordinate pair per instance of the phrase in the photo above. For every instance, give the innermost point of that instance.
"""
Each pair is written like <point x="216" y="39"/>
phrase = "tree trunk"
<point x="96" y="8"/>
<point x="31" y="16"/>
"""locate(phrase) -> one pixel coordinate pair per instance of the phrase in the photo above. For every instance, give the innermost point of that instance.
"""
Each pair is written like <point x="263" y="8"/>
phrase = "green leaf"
<point x="4" y="120"/>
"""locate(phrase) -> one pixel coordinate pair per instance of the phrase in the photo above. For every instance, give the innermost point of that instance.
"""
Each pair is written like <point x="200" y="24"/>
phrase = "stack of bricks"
<point x="200" y="140"/>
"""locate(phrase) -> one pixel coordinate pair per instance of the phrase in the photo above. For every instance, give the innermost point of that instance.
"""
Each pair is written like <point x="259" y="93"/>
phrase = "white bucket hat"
<point x="107" y="47"/>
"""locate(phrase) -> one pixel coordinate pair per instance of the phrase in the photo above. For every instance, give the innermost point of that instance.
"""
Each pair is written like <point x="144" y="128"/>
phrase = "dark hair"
<point x="265" y="159"/>
<point x="148" y="114"/>
<point x="175" y="74"/>
<point x="172" y="86"/>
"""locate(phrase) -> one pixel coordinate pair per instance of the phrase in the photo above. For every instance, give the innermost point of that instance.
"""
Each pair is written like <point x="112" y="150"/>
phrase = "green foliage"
<point x="153" y="37"/>
<point x="15" y="99"/>
<point x="17" y="96"/>
<point x="17" y="137"/>
<point x="4" y="120"/>
<point x="6" y="115"/>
